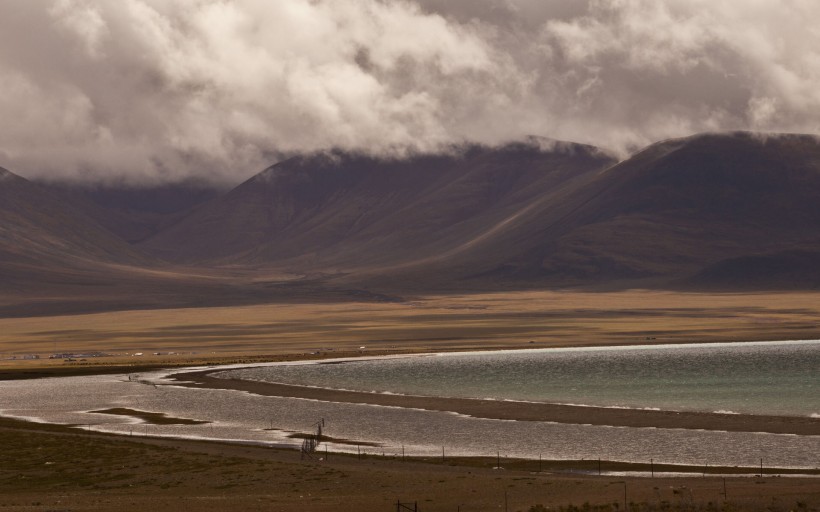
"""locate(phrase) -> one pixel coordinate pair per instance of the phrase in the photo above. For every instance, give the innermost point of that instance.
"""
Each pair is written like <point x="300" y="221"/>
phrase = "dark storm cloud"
<point x="148" y="90"/>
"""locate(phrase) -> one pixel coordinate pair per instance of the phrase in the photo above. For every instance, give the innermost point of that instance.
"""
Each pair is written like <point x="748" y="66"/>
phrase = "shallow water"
<point x="780" y="378"/>
<point x="242" y="416"/>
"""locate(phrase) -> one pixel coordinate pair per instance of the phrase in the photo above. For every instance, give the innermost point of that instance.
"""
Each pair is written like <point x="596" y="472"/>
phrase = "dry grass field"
<point x="485" y="321"/>
<point x="61" y="469"/>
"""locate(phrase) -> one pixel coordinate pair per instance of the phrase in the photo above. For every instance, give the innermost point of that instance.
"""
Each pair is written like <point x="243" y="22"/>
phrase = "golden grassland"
<point x="483" y="321"/>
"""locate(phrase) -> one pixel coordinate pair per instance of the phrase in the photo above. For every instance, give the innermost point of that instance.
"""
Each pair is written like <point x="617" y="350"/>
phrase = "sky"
<point x="147" y="91"/>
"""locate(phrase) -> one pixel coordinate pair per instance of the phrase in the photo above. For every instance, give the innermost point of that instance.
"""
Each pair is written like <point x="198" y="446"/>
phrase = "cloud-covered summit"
<point x="154" y="90"/>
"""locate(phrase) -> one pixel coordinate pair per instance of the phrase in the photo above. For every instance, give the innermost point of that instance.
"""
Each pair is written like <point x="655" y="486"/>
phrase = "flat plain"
<point x="424" y="323"/>
<point x="62" y="468"/>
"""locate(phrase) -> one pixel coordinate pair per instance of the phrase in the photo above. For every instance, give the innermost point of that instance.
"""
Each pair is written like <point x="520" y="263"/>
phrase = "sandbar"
<point x="521" y="411"/>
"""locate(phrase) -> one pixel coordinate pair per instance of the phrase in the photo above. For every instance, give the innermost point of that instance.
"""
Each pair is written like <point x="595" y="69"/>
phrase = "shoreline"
<point x="172" y="475"/>
<point x="22" y="369"/>
<point x="518" y="411"/>
<point x="587" y="467"/>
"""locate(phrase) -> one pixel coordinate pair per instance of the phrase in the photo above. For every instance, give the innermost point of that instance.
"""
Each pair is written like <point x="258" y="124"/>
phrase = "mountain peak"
<point x="5" y="174"/>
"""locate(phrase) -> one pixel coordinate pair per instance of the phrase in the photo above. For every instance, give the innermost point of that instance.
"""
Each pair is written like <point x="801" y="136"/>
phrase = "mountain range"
<point x="732" y="211"/>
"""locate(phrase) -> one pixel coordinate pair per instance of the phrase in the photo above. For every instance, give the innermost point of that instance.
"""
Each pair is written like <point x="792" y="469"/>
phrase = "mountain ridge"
<point x="712" y="211"/>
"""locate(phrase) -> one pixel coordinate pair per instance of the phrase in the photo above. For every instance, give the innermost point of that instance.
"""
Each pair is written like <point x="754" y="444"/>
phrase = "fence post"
<point x="625" y="495"/>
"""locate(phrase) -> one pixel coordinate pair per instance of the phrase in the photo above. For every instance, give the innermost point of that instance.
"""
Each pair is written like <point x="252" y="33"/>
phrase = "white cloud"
<point x="84" y="21"/>
<point x="155" y="89"/>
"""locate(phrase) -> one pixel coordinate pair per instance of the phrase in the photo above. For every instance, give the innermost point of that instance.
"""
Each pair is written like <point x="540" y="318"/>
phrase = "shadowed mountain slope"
<point x="680" y="206"/>
<point x="135" y="213"/>
<point x="338" y="210"/>
<point x="55" y="258"/>
<point x="38" y="229"/>
<point x="522" y="215"/>
<point x="717" y="211"/>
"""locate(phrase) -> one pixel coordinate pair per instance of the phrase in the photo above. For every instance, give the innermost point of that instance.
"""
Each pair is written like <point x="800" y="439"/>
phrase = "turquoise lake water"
<point x="780" y="378"/>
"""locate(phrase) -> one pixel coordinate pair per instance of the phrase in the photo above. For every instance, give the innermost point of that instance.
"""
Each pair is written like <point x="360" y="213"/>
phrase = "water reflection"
<point x="244" y="417"/>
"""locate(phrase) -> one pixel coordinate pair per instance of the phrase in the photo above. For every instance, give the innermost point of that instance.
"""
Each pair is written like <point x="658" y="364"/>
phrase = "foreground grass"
<point x="60" y="468"/>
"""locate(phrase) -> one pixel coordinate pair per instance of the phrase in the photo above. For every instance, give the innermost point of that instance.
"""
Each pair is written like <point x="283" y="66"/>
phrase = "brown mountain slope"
<point x="134" y="213"/>
<point x="56" y="260"/>
<point x="728" y="211"/>
<point x="674" y="209"/>
<point x="40" y="234"/>
<point x="679" y="213"/>
<point x="337" y="210"/>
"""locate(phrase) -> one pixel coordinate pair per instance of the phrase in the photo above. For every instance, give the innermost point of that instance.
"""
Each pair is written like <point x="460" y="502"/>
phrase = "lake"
<point x="749" y="377"/>
<point x="781" y="378"/>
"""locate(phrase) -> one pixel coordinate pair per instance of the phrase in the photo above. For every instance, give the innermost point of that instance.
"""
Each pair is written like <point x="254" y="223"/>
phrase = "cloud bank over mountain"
<point x="153" y="90"/>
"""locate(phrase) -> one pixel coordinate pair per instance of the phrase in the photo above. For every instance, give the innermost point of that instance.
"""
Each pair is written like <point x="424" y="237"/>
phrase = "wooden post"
<point x="442" y="454"/>
<point x="624" y="495"/>
<point x="599" y="466"/>
<point x="652" y="467"/>
<point x="539" y="462"/>
<point x="498" y="459"/>
<point x="358" y="451"/>
<point x="761" y="468"/>
<point x="402" y="452"/>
